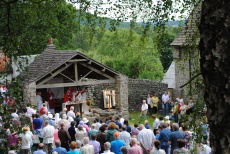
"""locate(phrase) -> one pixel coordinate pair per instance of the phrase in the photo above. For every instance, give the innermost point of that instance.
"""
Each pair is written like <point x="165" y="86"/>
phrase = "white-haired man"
<point x="107" y="147"/>
<point x="48" y="137"/>
<point x="92" y="131"/>
<point x="144" y="109"/>
<point x="86" y="149"/>
<point x="146" y="138"/>
<point x="71" y="112"/>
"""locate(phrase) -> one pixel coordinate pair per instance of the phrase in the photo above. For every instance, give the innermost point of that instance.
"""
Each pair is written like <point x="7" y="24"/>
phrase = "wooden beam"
<point x="67" y="77"/>
<point x="77" y="60"/>
<point x="85" y="76"/>
<point x="97" y="71"/>
<point x="73" y="84"/>
<point x="55" y="73"/>
<point x="89" y="62"/>
<point x="103" y="70"/>
<point x="76" y="71"/>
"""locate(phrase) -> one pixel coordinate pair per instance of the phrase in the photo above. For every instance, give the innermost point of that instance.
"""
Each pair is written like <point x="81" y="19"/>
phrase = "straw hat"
<point x="85" y="120"/>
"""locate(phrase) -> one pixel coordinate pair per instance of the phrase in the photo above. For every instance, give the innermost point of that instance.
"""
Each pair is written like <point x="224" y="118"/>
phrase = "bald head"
<point x="141" y="126"/>
<point x="85" y="140"/>
<point x="133" y="141"/>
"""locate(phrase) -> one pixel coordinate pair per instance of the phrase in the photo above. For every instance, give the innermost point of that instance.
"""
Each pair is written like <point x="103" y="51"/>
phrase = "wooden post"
<point x="76" y="72"/>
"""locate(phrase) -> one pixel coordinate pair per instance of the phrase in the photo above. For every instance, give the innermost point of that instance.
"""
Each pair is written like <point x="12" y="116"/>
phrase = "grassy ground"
<point x="136" y="118"/>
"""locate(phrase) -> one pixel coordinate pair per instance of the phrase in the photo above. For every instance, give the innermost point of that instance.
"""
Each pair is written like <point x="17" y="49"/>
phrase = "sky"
<point x="129" y="8"/>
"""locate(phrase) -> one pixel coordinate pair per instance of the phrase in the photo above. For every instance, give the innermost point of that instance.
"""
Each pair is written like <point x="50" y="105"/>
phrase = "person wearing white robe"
<point x="39" y="101"/>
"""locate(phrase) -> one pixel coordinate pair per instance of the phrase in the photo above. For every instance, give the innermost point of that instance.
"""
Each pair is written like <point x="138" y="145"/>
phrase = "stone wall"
<point x="139" y="90"/>
<point x="29" y="93"/>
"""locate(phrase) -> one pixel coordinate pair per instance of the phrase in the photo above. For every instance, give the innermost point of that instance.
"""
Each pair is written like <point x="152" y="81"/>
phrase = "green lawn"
<point x="136" y="117"/>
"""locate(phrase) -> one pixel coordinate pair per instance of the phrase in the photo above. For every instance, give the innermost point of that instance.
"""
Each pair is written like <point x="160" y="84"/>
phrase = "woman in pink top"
<point x="55" y="133"/>
<point x="13" y="139"/>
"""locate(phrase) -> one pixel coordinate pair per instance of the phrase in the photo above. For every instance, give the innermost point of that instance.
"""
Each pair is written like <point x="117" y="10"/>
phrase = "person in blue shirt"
<point x="37" y="123"/>
<point x="58" y="148"/>
<point x="117" y="144"/>
<point x="174" y="136"/>
<point x="164" y="137"/>
<point x="126" y="122"/>
<point x="51" y="122"/>
<point x="147" y="124"/>
<point x="40" y="149"/>
<point x="73" y="147"/>
<point x="118" y="123"/>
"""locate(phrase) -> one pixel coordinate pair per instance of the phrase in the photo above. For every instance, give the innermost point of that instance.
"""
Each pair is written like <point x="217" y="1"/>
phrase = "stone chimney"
<point x="51" y="45"/>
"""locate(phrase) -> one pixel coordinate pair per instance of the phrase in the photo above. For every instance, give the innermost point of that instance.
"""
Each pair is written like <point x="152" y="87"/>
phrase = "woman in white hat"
<point x="85" y="120"/>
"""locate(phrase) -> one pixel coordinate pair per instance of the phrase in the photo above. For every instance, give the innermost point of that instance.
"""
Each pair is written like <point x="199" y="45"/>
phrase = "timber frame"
<point x="74" y="67"/>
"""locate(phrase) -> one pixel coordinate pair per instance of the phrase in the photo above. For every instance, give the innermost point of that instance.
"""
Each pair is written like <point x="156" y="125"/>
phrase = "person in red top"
<point x="68" y="96"/>
<point x="42" y="109"/>
<point x="50" y="99"/>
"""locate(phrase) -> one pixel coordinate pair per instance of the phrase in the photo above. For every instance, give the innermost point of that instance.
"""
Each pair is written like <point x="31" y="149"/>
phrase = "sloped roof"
<point x="52" y="59"/>
<point x="189" y="29"/>
<point x="170" y="77"/>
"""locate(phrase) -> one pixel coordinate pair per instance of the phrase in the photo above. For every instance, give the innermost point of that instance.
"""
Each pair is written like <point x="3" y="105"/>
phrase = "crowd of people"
<point x="68" y="132"/>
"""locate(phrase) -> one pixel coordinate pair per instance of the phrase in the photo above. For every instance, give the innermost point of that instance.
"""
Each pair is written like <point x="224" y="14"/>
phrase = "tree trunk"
<point x="215" y="66"/>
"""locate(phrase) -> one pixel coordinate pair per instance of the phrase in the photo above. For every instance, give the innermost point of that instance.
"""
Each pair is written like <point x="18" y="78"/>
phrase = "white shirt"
<point x="149" y="99"/>
<point x="204" y="149"/>
<point x="156" y="123"/>
<point x="48" y="134"/>
<point x="122" y="121"/>
<point x="98" y="125"/>
<point x="125" y="136"/>
<point x="39" y="102"/>
<point x="183" y="109"/>
<point x="107" y="152"/>
<point x="15" y="116"/>
<point x="144" y="107"/>
<point x="71" y="114"/>
<point x="30" y="111"/>
<point x="26" y="139"/>
<point x="87" y="149"/>
<point x="146" y="136"/>
<point x="155" y="151"/>
<point x="165" y="98"/>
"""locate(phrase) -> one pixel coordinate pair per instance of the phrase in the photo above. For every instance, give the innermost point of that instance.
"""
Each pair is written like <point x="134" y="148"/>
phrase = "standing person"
<point x="25" y="141"/>
<point x="101" y="137"/>
<point x="182" y="110"/>
<point x="80" y="133"/>
<point x="42" y="109"/>
<point x="165" y="100"/>
<point x="149" y="102"/>
<point x="188" y="136"/>
<point x="117" y="122"/>
<point x="117" y="143"/>
<point x="174" y="136"/>
<point x="126" y="123"/>
<point x="146" y="138"/>
<point x="48" y="136"/>
<point x="72" y="130"/>
<point x="92" y="131"/>
<point x="135" y="149"/>
<point x="112" y="129"/>
<point x="175" y="112"/>
<point x="190" y="107"/>
<point x="44" y="117"/>
<point x="40" y="149"/>
<point x="164" y="137"/>
<point x="67" y="96"/>
<point x="147" y="124"/>
<point x="135" y="130"/>
<point x="39" y="100"/>
<point x="71" y="113"/>
<point x="25" y="118"/>
<point x="58" y="148"/>
<point x="156" y="149"/>
<point x="144" y="109"/>
<point x="181" y="147"/>
<point x="73" y="146"/>
<point x="15" y="117"/>
<point x="63" y="112"/>
<point x="86" y="149"/>
<point x="51" y="121"/>
<point x="125" y="136"/>
<point x="77" y="119"/>
<point x="95" y="144"/>
<point x="154" y="104"/>
<point x="50" y="100"/>
<point x="107" y="147"/>
<point x="156" y="123"/>
<point x="98" y="124"/>
<point x="64" y="137"/>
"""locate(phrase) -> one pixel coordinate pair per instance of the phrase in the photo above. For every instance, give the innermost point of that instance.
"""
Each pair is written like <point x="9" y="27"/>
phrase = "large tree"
<point x="215" y="65"/>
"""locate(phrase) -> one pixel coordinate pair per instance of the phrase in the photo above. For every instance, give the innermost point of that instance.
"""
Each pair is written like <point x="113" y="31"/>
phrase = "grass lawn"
<point x="136" y="117"/>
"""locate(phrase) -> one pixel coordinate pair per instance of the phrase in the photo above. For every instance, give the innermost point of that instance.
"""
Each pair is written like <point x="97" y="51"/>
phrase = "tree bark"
<point x="215" y="67"/>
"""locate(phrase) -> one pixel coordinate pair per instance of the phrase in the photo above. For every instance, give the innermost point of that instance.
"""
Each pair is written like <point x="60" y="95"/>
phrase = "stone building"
<point x="185" y="55"/>
<point x="60" y="69"/>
